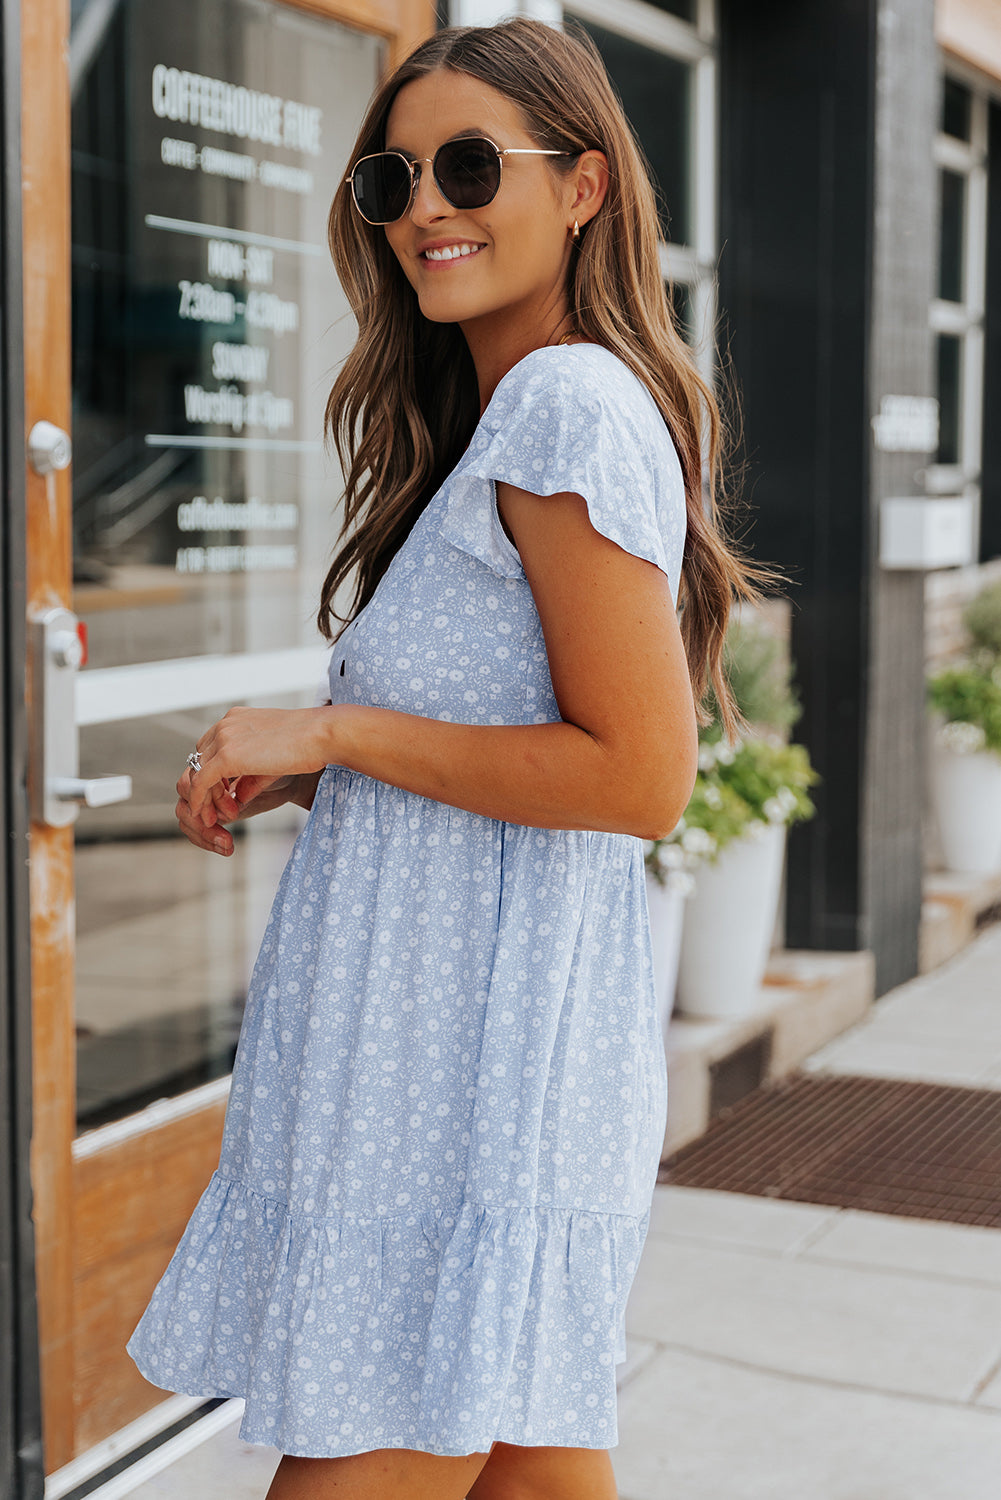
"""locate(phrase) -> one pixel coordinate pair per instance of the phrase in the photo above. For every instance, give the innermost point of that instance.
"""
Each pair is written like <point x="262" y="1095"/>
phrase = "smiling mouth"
<point x="460" y="251"/>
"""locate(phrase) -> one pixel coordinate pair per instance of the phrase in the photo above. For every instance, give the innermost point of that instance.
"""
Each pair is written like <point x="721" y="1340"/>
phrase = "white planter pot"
<point x="729" y="925"/>
<point x="666" y="904"/>
<point x="966" y="791"/>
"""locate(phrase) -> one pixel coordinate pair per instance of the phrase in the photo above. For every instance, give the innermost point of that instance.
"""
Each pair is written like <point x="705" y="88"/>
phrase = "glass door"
<point x="193" y="322"/>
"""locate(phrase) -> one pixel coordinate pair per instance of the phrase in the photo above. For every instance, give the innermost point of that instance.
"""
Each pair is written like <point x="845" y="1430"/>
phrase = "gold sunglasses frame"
<point x="415" y="166"/>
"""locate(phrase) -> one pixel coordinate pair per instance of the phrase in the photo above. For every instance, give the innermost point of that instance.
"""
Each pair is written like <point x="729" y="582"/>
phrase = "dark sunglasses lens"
<point x="381" y="185"/>
<point x="468" y="173"/>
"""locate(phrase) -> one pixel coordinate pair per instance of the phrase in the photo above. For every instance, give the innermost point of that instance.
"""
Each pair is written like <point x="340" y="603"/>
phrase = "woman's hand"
<point x="230" y="801"/>
<point x="255" y="748"/>
<point x="206" y="828"/>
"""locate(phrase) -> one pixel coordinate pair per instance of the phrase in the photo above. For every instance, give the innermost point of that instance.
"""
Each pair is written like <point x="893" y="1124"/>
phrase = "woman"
<point x="449" y="1099"/>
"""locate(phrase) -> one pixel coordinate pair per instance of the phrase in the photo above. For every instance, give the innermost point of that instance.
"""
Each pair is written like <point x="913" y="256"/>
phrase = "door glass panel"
<point x="166" y="934"/>
<point x="207" y="321"/>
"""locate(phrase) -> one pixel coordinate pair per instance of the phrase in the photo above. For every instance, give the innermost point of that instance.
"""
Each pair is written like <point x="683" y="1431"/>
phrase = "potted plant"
<point x="966" y="764"/>
<point x="732" y="836"/>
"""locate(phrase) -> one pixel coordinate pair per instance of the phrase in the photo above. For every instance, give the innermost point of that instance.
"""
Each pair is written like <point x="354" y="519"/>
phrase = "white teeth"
<point x="451" y="252"/>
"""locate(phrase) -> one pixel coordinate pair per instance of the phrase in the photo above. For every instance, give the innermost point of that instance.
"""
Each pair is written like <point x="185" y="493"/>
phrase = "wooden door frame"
<point x="45" y="169"/>
<point x="59" y="1181"/>
<point x="21" y="1467"/>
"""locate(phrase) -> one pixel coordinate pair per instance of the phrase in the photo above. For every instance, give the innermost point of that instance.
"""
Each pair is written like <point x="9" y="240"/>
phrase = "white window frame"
<point x="695" y="42"/>
<point x="965" y="320"/>
<point x="693" y="265"/>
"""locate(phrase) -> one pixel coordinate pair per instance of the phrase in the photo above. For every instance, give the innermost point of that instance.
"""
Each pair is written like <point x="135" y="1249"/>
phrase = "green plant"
<point x="982" y="618"/>
<point x="739" y="791"/>
<point x="969" y="700"/>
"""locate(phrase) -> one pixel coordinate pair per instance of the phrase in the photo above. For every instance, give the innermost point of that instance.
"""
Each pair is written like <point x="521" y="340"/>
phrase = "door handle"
<point x="56" y="789"/>
<point x="98" y="792"/>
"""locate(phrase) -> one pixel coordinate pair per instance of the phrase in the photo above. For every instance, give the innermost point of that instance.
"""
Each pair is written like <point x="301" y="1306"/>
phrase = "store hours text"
<point x="201" y="302"/>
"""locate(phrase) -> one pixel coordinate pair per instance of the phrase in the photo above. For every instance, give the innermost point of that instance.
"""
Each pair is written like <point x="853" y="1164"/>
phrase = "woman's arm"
<point x="622" y="760"/>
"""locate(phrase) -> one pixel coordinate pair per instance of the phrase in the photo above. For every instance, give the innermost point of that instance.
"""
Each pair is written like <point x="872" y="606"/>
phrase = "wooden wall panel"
<point x="403" y="23"/>
<point x="132" y="1202"/>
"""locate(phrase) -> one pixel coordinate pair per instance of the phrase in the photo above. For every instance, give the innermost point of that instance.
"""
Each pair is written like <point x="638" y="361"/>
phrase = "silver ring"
<point x="195" y="761"/>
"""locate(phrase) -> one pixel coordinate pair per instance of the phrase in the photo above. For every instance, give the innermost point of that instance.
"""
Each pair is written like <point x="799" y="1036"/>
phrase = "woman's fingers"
<point x="248" y="789"/>
<point x="263" y="743"/>
<point x="204" y="836"/>
<point x="248" y="753"/>
<point x="213" y="778"/>
<point x="219" y="794"/>
<point x="225" y="801"/>
<point x="203" y="829"/>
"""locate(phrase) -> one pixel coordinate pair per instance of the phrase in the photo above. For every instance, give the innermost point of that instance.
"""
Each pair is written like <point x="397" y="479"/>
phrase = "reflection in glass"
<point x="950" y="351"/>
<point x="656" y="91"/>
<point x="956" y="109"/>
<point x="951" y="236"/>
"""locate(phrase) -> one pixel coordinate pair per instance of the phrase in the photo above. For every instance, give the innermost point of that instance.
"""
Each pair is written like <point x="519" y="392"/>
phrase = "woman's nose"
<point x="428" y="202"/>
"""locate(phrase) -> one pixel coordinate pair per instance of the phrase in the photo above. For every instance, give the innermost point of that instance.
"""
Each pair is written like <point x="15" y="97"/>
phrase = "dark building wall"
<point x="795" y="216"/>
<point x="825" y="140"/>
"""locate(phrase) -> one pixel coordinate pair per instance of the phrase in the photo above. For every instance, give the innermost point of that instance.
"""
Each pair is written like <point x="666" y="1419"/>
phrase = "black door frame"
<point x="21" y="1466"/>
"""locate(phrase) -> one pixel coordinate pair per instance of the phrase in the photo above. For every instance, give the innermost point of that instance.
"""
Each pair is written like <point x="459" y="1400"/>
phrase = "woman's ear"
<point x="590" y="184"/>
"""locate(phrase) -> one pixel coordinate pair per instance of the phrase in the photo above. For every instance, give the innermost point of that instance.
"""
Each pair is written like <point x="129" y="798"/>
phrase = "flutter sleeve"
<point x="565" y="419"/>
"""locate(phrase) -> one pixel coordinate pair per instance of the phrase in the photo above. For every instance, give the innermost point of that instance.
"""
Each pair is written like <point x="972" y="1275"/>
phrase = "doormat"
<point x="921" y="1150"/>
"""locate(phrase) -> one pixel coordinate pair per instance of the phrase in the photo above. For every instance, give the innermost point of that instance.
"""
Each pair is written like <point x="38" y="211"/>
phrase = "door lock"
<point x="49" y="448"/>
<point x="56" y="789"/>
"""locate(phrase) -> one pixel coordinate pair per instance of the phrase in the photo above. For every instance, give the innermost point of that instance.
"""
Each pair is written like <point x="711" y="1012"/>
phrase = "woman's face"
<point x="518" y="245"/>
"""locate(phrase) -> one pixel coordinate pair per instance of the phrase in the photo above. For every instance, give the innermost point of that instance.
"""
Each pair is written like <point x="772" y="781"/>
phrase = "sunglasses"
<point x="467" y="173"/>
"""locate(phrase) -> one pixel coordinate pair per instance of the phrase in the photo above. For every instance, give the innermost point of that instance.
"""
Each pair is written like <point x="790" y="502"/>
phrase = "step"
<point x="806" y="1000"/>
<point x="955" y="907"/>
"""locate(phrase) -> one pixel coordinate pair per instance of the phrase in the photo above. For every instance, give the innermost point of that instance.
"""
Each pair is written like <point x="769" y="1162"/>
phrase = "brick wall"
<point x="946" y="594"/>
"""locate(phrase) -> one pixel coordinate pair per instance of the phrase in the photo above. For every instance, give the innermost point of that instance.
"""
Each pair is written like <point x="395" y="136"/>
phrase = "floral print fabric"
<point x="449" y="1097"/>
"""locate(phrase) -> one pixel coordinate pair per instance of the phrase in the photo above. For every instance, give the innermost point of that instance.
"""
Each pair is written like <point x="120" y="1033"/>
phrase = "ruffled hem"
<point x="443" y="1331"/>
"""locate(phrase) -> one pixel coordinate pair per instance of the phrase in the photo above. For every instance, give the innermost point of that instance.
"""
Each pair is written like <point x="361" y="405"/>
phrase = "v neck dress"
<point x="449" y="1097"/>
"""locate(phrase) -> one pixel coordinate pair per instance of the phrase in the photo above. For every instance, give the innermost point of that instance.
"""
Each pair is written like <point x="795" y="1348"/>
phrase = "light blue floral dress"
<point x="449" y="1099"/>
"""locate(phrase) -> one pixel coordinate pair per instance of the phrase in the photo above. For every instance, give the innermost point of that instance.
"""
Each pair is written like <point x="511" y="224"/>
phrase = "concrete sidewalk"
<point x="786" y="1351"/>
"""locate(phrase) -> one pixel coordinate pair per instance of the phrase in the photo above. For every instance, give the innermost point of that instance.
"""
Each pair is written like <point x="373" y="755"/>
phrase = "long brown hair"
<point x="404" y="405"/>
